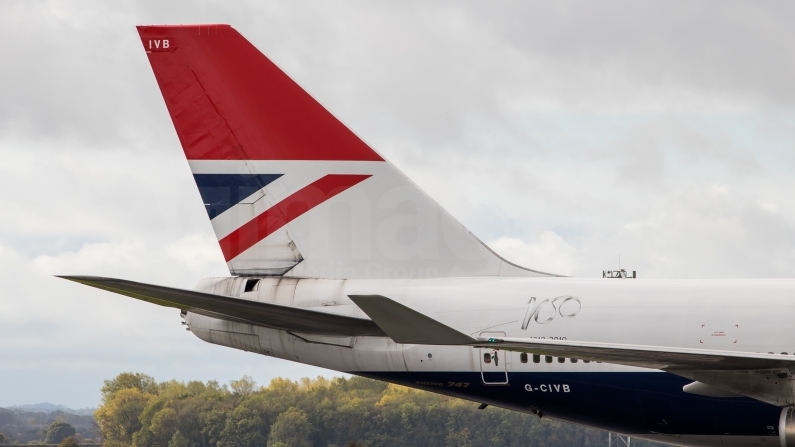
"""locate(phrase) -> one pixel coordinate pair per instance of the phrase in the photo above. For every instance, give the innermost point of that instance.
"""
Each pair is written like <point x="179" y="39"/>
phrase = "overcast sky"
<point x="562" y="133"/>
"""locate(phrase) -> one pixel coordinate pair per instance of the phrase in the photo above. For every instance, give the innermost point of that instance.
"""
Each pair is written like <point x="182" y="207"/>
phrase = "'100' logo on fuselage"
<point x="547" y="310"/>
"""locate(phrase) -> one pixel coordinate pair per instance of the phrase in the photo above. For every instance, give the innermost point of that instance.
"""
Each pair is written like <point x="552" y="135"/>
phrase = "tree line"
<point x="32" y="427"/>
<point x="137" y="411"/>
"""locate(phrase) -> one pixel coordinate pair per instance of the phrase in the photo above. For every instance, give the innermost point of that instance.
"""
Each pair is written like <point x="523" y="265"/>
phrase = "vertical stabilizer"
<point x="288" y="188"/>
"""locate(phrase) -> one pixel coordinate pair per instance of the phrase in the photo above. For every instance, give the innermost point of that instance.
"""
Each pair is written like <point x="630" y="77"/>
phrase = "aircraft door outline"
<point x="493" y="362"/>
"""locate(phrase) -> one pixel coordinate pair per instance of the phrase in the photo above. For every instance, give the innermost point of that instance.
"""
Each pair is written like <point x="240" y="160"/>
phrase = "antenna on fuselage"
<point x="620" y="273"/>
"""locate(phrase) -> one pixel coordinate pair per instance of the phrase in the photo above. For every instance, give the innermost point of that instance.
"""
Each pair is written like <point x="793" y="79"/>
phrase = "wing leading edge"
<point x="287" y="318"/>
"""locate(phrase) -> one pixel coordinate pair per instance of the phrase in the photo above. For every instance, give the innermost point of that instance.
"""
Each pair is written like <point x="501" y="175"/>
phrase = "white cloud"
<point x="549" y="250"/>
<point x="59" y="340"/>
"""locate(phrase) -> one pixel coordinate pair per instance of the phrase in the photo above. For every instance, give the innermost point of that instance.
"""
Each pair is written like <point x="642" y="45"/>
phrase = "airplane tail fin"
<point x="289" y="189"/>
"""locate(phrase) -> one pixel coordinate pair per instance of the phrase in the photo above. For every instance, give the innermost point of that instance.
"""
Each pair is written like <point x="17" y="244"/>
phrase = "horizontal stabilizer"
<point x="405" y="325"/>
<point x="254" y="312"/>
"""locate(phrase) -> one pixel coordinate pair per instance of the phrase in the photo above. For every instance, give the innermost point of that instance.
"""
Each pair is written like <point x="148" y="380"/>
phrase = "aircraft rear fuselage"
<point x="724" y="315"/>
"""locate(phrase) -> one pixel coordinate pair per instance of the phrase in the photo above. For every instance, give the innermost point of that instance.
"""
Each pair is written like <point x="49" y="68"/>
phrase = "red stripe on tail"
<point x="285" y="211"/>
<point x="230" y="102"/>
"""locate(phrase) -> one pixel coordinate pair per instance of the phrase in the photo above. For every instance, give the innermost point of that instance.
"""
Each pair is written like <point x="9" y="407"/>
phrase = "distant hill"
<point x="46" y="407"/>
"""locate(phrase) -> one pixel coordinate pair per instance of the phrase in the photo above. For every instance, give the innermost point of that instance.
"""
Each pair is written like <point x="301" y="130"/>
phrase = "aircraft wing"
<point x="765" y="377"/>
<point x="405" y="325"/>
<point x="270" y="315"/>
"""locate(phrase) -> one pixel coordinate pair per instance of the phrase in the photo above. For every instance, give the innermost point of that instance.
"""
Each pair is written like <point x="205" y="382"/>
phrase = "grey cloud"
<point x="737" y="49"/>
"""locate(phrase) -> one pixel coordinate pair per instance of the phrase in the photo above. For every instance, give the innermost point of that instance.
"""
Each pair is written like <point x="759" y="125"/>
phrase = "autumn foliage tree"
<point x="69" y="442"/>
<point x="138" y="412"/>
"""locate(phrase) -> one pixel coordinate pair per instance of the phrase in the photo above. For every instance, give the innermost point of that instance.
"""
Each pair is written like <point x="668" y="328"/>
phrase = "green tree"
<point x="458" y="438"/>
<point x="118" y="418"/>
<point x="141" y="382"/>
<point x="212" y="422"/>
<point x="3" y="439"/>
<point x="159" y="430"/>
<point x="244" y="428"/>
<point x="57" y="432"/>
<point x="69" y="442"/>
<point x="178" y="440"/>
<point x="244" y="387"/>
<point x="291" y="429"/>
<point x="124" y="381"/>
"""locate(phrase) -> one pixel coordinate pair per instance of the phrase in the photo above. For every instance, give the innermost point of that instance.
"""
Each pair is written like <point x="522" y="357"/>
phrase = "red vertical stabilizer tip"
<point x="230" y="102"/>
